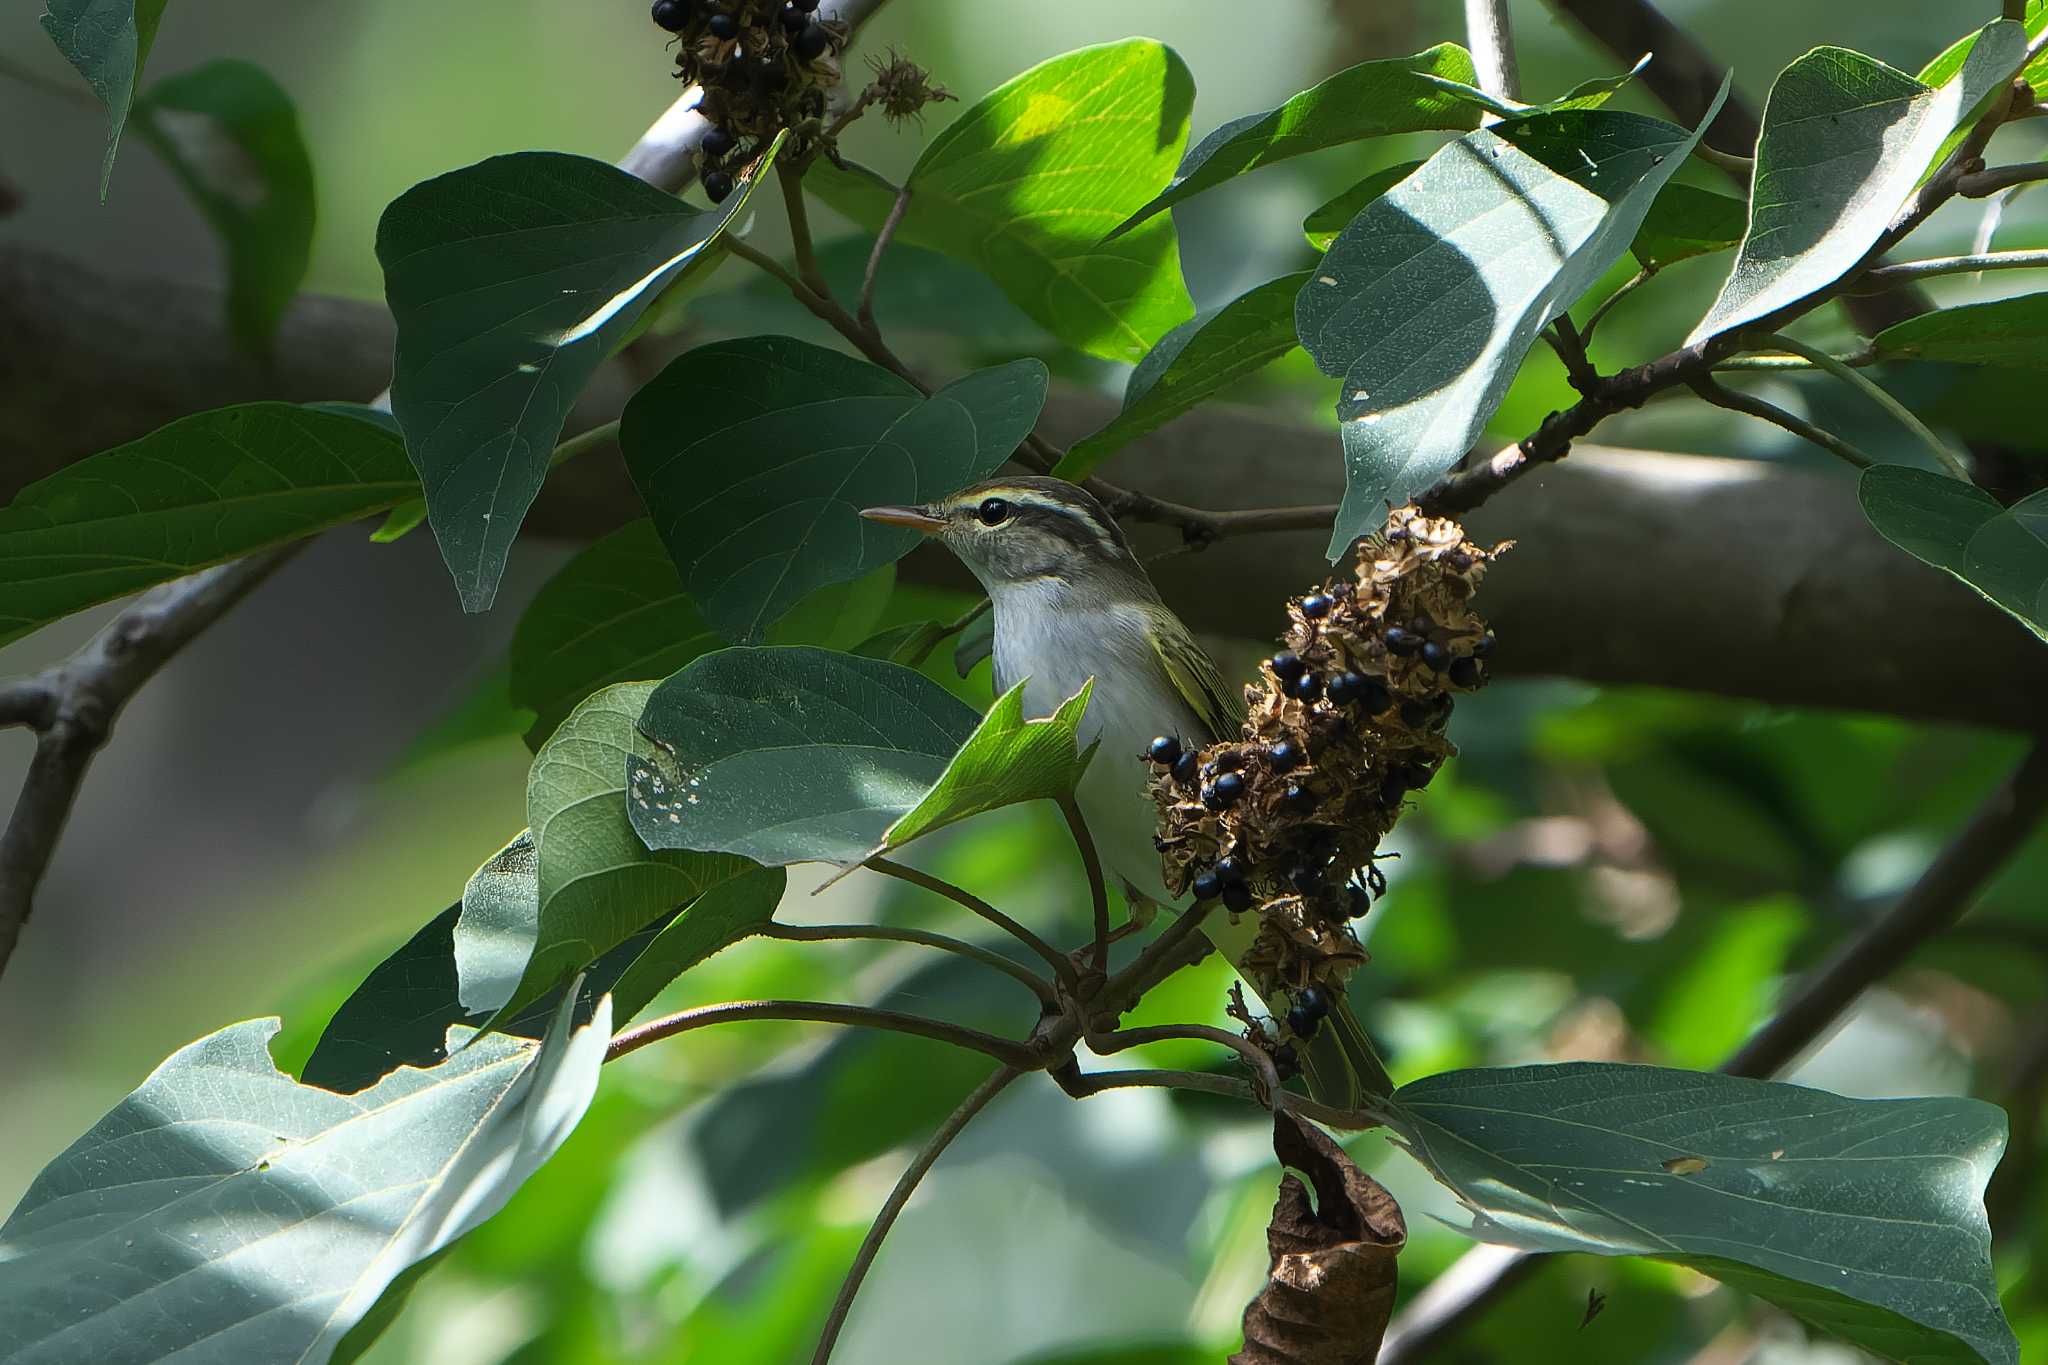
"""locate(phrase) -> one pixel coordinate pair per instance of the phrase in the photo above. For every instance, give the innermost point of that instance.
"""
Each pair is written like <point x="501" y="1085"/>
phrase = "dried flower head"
<point x="764" y="65"/>
<point x="1345" y="721"/>
<point x="902" y="88"/>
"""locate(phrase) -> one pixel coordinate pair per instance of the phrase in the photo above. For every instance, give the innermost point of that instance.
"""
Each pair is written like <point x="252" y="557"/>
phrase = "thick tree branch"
<point x="1933" y="904"/>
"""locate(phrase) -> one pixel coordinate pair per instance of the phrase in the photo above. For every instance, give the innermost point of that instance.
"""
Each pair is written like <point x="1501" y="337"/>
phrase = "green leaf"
<point x="976" y="643"/>
<point x="107" y="41"/>
<point x="399" y="1016"/>
<point x="1686" y="221"/>
<point x="2001" y="552"/>
<point x="230" y="135"/>
<point x="1371" y="99"/>
<point x="1944" y="67"/>
<point x="225" y="1213"/>
<point x="1008" y="760"/>
<point x="790" y="754"/>
<point x="1845" y="139"/>
<point x="2007" y="332"/>
<point x="755" y="457"/>
<point x="1322" y="226"/>
<point x="597" y="882"/>
<point x="1427" y="303"/>
<point x="511" y="280"/>
<point x="715" y="921"/>
<point x="1024" y="185"/>
<point x="205" y="489"/>
<point x="907" y="644"/>
<point x="1864" y="1216"/>
<point x="1193" y="362"/>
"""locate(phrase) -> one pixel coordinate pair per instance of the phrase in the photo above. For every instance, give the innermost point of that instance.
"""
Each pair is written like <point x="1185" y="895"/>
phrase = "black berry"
<point x="1210" y="799"/>
<point x="1374" y="697"/>
<point x="1356" y="901"/>
<point x="1436" y="654"/>
<point x="1305" y="880"/>
<point x="1414" y="774"/>
<point x="1228" y="788"/>
<point x="1400" y="641"/>
<point x="793" y="19"/>
<point x="768" y="75"/>
<point x="1465" y="672"/>
<point x="672" y="15"/>
<point x="1483" y="646"/>
<point x="1314" y="999"/>
<point x="1301" y="1023"/>
<point x="1306" y="687"/>
<point x="1207" y="887"/>
<point x="1347" y="687"/>
<point x="811" y="43"/>
<point x="717" y="185"/>
<point x="1230" y="869"/>
<point x="1237" y="897"/>
<point x="1165" y="749"/>
<point x="1286" y="665"/>
<point x="805" y="5"/>
<point x="1230" y="760"/>
<point x="1284" y="756"/>
<point x="1297" y="799"/>
<point x="1316" y="606"/>
<point x="723" y="26"/>
<point x="1187" y="767"/>
<point x="1459" y="560"/>
<point x="1414" y="714"/>
<point x="717" y="142"/>
<point x="1286" y="1062"/>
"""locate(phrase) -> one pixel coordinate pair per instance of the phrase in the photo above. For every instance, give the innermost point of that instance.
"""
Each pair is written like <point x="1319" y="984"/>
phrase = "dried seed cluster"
<point x="765" y="65"/>
<point x="1345" y="721"/>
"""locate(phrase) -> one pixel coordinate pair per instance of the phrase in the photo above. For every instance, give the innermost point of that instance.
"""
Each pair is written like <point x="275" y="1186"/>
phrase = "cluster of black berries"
<point x="762" y="66"/>
<point x="1345" y="721"/>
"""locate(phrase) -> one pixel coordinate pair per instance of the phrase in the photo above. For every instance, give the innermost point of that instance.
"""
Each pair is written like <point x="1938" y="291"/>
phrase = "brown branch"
<point x="1004" y="1050"/>
<point x="988" y="957"/>
<point x="73" y="706"/>
<point x="1736" y="401"/>
<point x="1062" y="966"/>
<point x="1985" y="183"/>
<point x="865" y="313"/>
<point x="1098" y="889"/>
<point x="1933" y="904"/>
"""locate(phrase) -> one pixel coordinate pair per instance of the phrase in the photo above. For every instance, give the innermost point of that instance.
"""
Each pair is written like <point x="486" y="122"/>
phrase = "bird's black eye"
<point x="993" y="511"/>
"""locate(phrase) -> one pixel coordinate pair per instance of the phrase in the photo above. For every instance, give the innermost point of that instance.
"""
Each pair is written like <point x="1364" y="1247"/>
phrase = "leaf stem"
<point x="792" y="178"/>
<point x="1820" y="359"/>
<point x="1109" y="1042"/>
<point x="1888" y="276"/>
<point x="605" y="433"/>
<point x="1098" y="890"/>
<point x="988" y="957"/>
<point x="1089" y="1083"/>
<point x="1985" y="183"/>
<point x="906" y="1185"/>
<point x="1061" y="964"/>
<point x="1004" y="1050"/>
<point x="865" y="313"/>
<point x="1606" y="305"/>
<point x="1734" y="401"/>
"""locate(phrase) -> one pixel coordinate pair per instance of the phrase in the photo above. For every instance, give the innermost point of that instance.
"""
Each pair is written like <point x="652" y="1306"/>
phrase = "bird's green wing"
<point x="1193" y="675"/>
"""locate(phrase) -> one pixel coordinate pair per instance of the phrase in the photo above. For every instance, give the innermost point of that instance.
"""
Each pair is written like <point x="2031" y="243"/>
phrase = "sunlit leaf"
<point x="1322" y="226"/>
<point x="2008" y="332"/>
<point x="1687" y="221"/>
<point x="1007" y="760"/>
<point x="2001" y="552"/>
<point x="107" y="41"/>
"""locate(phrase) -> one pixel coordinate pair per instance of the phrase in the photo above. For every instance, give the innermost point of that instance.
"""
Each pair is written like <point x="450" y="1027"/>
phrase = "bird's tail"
<point x="1342" y="1067"/>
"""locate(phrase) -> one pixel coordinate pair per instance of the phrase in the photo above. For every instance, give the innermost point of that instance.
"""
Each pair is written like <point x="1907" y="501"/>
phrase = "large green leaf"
<point x="1687" y="221"/>
<point x="1024" y="185"/>
<point x="205" y="489"/>
<point x="789" y="755"/>
<point x="231" y="136"/>
<point x="107" y="41"/>
<point x="225" y="1213"/>
<point x="716" y="920"/>
<point x="511" y="280"/>
<point x="1372" y="99"/>
<point x="1864" y="1216"/>
<point x="1427" y="303"/>
<point x="1951" y="60"/>
<point x="756" y="456"/>
<point x="1335" y="214"/>
<point x="1193" y="362"/>
<point x="2009" y="332"/>
<point x="1845" y="139"/>
<point x="2001" y="552"/>
<point x="1006" y="761"/>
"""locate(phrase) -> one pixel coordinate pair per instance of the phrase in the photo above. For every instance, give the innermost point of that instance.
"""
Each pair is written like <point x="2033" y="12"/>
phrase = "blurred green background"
<point x="1602" y="874"/>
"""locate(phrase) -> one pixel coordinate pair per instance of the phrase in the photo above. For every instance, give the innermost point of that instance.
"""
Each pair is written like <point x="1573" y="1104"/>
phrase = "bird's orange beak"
<point x="916" y="518"/>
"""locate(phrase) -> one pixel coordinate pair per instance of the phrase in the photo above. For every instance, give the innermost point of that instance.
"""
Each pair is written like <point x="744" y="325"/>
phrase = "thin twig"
<point x="1261" y="1062"/>
<point x="1564" y="338"/>
<point x="1098" y="889"/>
<point x="828" y="311"/>
<point x="1152" y="965"/>
<point x="988" y="957"/>
<point x="1005" y="1050"/>
<point x="800" y="243"/>
<point x="906" y="1185"/>
<point x="1875" y="392"/>
<point x="1985" y="183"/>
<point x="1889" y="276"/>
<point x="1734" y="401"/>
<point x="73" y="707"/>
<point x="1085" y="1084"/>
<point x="1061" y="964"/>
<point x="1606" y="305"/>
<point x="865" y="313"/>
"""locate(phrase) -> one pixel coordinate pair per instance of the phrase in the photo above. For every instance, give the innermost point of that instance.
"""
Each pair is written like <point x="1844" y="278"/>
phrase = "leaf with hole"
<point x="1845" y="139"/>
<point x="790" y="755"/>
<point x="223" y="1212"/>
<point x="1026" y="183"/>
<point x="107" y="41"/>
<point x="1427" y="303"/>
<point x="1865" y="1217"/>
<point x="231" y="136"/>
<point x="1371" y="99"/>
<point x="2000" y="552"/>
<point x="1195" y="361"/>
<point x="511" y="281"/>
<point x="1686" y="221"/>
<point x="205" y="489"/>
<point x="2007" y="332"/>
<point x="756" y="457"/>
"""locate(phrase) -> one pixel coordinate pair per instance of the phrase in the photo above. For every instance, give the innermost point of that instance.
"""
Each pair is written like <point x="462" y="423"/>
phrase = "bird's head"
<point x="1026" y="530"/>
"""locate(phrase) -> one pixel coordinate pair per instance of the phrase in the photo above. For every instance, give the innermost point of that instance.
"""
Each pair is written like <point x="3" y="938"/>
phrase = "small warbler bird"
<point x="1071" y="603"/>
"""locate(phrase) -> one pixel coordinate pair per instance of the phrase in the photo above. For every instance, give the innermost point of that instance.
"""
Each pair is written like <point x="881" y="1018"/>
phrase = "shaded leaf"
<point x="107" y="41"/>
<point x="1371" y="99"/>
<point x="1024" y="185"/>
<point x="1006" y="761"/>
<point x="1193" y="362"/>
<point x="2008" y="332"/>
<point x="1427" y="303"/>
<point x="907" y="644"/>
<point x="231" y="136"/>
<point x="791" y="754"/>
<point x="1687" y="221"/>
<point x="1585" y="95"/>
<point x="2001" y="552"/>
<point x="399" y="1016"/>
<point x="755" y="457"/>
<point x="510" y="281"/>
<point x="205" y="489"/>
<point x="976" y="643"/>
<point x="716" y="920"/>
<point x="1322" y="226"/>
<point x="1863" y="1216"/>
<point x="1330" y="1289"/>
<point x="1845" y="139"/>
<point x="225" y="1213"/>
